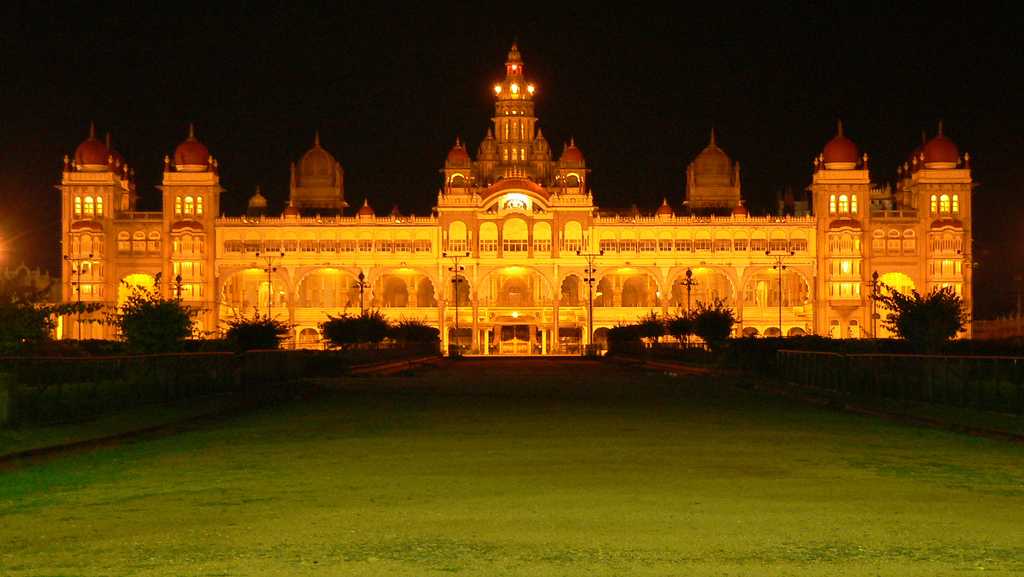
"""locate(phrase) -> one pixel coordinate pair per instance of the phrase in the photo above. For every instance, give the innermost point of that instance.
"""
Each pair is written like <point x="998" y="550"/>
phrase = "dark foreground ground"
<point x="525" y="468"/>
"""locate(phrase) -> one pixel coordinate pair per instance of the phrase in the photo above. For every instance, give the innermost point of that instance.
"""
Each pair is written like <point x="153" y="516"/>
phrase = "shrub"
<point x="650" y="327"/>
<point x="150" y="323"/>
<point x="713" y="322"/>
<point x="247" y="334"/>
<point x="343" y="331"/>
<point x="414" y="332"/>
<point x="926" y="321"/>
<point x="679" y="326"/>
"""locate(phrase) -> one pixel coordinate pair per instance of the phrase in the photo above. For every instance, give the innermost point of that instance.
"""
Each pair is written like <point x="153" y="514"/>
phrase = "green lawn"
<point x="525" y="468"/>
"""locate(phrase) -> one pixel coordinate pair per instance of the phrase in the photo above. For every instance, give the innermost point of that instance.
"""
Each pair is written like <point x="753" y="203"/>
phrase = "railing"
<point x="904" y="213"/>
<point x="40" y="390"/>
<point x="990" y="383"/>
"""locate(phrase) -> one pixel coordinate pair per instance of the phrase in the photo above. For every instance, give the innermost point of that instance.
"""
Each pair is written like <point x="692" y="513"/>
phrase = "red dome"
<point x="191" y="152"/>
<point x="740" y="210"/>
<point x="365" y="210"/>
<point x="290" y="210"/>
<point x="572" y="154"/>
<point x="941" y="150"/>
<point x="840" y="150"/>
<point x="458" y="155"/>
<point x="92" y="151"/>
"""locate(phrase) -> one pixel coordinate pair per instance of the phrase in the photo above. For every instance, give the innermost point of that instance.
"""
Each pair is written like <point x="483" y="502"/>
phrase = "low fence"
<point x="46" y="390"/>
<point x="989" y="383"/>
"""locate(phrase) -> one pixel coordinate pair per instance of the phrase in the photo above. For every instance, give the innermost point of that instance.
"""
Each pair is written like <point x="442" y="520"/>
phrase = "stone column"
<point x="555" y="340"/>
<point x="476" y="324"/>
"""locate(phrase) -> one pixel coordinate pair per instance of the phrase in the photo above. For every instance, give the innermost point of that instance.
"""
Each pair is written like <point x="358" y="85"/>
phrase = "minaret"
<point x="514" y="120"/>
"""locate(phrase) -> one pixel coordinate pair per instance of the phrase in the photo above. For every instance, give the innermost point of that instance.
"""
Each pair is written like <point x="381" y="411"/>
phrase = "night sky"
<point x="390" y="90"/>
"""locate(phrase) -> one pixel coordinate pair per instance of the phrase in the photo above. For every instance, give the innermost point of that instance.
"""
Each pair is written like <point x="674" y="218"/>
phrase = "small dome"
<point x="365" y="210"/>
<point x="191" y="155"/>
<point x="488" y="149"/>
<point x="458" y="156"/>
<point x="665" y="209"/>
<point x="92" y="153"/>
<point x="940" y="152"/>
<point x="290" y="210"/>
<point x="713" y="166"/>
<point x="740" y="210"/>
<point x="572" y="154"/>
<point x="840" y="152"/>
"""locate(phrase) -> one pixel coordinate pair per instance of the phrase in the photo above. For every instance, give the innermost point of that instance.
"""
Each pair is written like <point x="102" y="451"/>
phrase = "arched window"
<point x="124" y="243"/>
<point x="139" y="242"/>
<point x="944" y="204"/>
<point x="177" y="205"/>
<point x="844" y="204"/>
<point x="190" y="205"/>
<point x="956" y="204"/>
<point x="832" y="204"/>
<point x="457" y="236"/>
<point x="86" y="245"/>
<point x="934" y="204"/>
<point x="78" y="206"/>
<point x="199" y="205"/>
<point x="853" y="203"/>
<point x="99" y="206"/>
<point x="89" y="207"/>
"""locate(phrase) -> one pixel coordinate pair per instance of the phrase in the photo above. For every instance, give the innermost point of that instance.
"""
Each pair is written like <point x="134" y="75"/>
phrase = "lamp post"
<point x="874" y="304"/>
<point x="689" y="283"/>
<point x="362" y="285"/>
<point x="455" y="269"/>
<point x="270" y="270"/>
<point x="780" y="267"/>
<point x="76" y="268"/>
<point x="590" y="279"/>
<point x="177" y="286"/>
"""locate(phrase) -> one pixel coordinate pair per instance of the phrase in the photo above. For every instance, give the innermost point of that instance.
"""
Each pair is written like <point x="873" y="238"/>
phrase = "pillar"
<point x="544" y="341"/>
<point x="475" y="341"/>
<point x="487" y="342"/>
<point x="555" y="340"/>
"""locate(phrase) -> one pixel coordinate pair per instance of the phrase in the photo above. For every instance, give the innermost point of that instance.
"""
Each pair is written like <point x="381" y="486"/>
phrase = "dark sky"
<point x="390" y="90"/>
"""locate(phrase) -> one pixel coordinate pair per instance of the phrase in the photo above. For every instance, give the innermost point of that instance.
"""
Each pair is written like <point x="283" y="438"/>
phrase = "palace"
<point x="516" y="250"/>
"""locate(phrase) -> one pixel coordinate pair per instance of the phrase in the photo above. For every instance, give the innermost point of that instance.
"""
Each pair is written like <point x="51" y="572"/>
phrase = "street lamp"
<point x="780" y="267"/>
<point x="874" y="304"/>
<point x="270" y="270"/>
<point x="362" y="285"/>
<point x="456" y="280"/>
<point x="76" y="268"/>
<point x="689" y="283"/>
<point x="177" y="286"/>
<point x="590" y="279"/>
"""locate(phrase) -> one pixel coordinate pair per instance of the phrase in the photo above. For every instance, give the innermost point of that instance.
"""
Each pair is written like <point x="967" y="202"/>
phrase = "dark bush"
<point x="246" y="334"/>
<point x="679" y="326"/>
<point x="346" y="330"/>
<point x="650" y="327"/>
<point x="713" y="322"/>
<point x="414" y="332"/>
<point x="150" y="323"/>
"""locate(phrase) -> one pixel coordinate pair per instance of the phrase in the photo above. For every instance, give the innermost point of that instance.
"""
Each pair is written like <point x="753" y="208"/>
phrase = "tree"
<point x="925" y="321"/>
<point x="150" y="323"/>
<point x="346" y="330"/>
<point x="713" y="322"/>
<point x="246" y="334"/>
<point x="25" y="319"/>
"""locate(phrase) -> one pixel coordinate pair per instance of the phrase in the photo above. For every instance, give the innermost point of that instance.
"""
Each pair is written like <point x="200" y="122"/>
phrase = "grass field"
<point x="525" y="468"/>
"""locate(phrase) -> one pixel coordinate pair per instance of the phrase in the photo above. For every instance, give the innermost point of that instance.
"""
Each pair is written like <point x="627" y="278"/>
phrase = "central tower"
<point x="514" y="118"/>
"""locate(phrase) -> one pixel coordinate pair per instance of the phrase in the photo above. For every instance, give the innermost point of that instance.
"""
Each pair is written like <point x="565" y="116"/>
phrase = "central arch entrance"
<point x="517" y="335"/>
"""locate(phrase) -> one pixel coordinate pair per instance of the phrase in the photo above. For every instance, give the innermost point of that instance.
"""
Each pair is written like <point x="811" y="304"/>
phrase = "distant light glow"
<point x="515" y="88"/>
<point x="497" y="89"/>
<point x="530" y="88"/>
<point x="515" y="314"/>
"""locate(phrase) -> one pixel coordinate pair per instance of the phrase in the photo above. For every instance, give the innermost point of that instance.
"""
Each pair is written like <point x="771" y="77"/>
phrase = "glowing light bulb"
<point x="530" y="88"/>
<point x="497" y="89"/>
<point x="515" y="88"/>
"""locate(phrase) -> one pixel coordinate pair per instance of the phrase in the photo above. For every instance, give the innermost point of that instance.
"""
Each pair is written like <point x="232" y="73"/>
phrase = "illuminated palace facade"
<point x="522" y="222"/>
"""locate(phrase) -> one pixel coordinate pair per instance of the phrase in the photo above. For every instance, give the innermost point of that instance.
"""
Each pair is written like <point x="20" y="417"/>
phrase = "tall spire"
<point x="713" y="143"/>
<point x="92" y="130"/>
<point x="191" y="131"/>
<point x="940" y="127"/>
<point x="839" y="127"/>
<point x="316" y="138"/>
